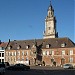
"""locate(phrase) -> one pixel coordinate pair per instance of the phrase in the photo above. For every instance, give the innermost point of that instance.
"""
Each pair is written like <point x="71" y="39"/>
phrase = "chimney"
<point x="9" y="40"/>
<point x="0" y="42"/>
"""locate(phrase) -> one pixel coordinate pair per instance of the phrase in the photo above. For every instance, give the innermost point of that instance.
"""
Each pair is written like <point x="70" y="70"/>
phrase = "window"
<point x="27" y="53"/>
<point x="11" y="59"/>
<point x="18" y="59"/>
<point x="44" y="53"/>
<point x="71" y="52"/>
<point x="2" y="54"/>
<point x="70" y="59"/>
<point x="14" y="59"/>
<point x="6" y="53"/>
<point x="2" y="60"/>
<point x="8" y="48"/>
<point x="18" y="52"/>
<point x="19" y="47"/>
<point x="9" y="53"/>
<point x="22" y="52"/>
<point x="22" y="58"/>
<point x="52" y="52"/>
<point x="26" y="59"/>
<point x="63" y="52"/>
<point x="27" y="46"/>
<point x="12" y="53"/>
<point x="47" y="52"/>
<point x="63" y="44"/>
<point x="48" y="46"/>
<point x="15" y="53"/>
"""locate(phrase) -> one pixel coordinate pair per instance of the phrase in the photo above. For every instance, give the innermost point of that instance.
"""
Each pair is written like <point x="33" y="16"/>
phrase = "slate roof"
<point x="53" y="42"/>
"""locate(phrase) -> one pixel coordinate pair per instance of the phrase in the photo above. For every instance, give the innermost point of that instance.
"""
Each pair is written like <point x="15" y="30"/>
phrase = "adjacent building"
<point x="2" y="51"/>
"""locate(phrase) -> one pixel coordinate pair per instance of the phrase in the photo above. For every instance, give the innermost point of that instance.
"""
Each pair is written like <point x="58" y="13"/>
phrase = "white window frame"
<point x="27" y="47"/>
<point x="71" y="52"/>
<point x="47" y="46"/>
<point x="63" y="52"/>
<point x="63" y="45"/>
<point x="52" y="52"/>
<point x="22" y="52"/>
<point x="18" y="52"/>
<point x="71" y="59"/>
<point x="44" y="52"/>
<point x="47" y="52"/>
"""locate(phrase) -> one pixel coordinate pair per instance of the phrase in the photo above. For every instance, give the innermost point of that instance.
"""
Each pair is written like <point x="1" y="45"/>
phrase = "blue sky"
<point x="25" y="19"/>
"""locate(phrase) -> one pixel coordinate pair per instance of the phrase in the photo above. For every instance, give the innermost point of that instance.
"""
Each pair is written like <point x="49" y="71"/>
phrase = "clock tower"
<point x="50" y="24"/>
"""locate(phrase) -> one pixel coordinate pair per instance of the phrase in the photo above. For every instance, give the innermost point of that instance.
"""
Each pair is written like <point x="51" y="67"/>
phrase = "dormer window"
<point x="48" y="46"/>
<point x="9" y="47"/>
<point x="19" y="47"/>
<point x="27" y="47"/>
<point x="63" y="44"/>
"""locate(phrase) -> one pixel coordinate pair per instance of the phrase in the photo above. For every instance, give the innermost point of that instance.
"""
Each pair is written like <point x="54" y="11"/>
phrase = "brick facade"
<point x="53" y="52"/>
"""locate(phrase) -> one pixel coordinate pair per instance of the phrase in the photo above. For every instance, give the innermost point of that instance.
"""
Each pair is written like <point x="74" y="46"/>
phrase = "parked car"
<point x="68" y="66"/>
<point x="2" y="69"/>
<point x="6" y="64"/>
<point x="19" y="67"/>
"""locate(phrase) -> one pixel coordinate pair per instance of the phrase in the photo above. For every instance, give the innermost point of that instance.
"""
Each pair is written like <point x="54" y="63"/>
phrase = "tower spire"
<point x="50" y="23"/>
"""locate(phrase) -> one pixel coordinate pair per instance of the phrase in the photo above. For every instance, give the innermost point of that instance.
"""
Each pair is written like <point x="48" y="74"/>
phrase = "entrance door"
<point x="62" y="61"/>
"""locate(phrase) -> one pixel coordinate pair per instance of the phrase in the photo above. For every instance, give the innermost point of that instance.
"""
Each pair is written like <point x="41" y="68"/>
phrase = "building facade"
<point x="53" y="51"/>
<point x="50" y="50"/>
<point x="2" y="51"/>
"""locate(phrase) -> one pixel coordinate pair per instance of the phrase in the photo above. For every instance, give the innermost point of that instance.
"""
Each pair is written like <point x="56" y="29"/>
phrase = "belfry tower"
<point x="50" y="24"/>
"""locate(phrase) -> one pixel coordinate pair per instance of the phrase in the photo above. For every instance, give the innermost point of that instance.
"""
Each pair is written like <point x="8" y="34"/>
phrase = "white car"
<point x="2" y="69"/>
<point x="68" y="66"/>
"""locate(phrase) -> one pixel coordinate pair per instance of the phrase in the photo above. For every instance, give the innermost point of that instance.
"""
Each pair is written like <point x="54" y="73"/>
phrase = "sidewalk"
<point x="46" y="67"/>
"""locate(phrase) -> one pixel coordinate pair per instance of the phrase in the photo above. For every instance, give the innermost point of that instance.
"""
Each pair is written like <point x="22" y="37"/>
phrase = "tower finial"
<point x="50" y="2"/>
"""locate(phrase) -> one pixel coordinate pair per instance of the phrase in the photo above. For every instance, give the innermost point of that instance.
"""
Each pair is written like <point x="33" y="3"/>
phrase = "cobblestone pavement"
<point x="43" y="70"/>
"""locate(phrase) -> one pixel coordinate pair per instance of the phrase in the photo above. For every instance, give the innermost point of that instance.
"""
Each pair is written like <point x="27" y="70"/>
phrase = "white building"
<point x="2" y="51"/>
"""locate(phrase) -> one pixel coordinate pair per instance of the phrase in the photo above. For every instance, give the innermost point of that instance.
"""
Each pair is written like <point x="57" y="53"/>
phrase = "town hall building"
<point x="51" y="50"/>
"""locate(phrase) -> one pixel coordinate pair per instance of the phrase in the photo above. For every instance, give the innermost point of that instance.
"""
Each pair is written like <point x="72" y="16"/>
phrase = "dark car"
<point x="2" y="69"/>
<point x="19" y="67"/>
<point x="6" y="64"/>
